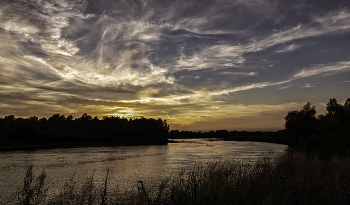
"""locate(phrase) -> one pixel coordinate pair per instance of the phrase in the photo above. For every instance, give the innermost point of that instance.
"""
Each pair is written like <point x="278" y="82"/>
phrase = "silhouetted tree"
<point x="70" y="118"/>
<point x="85" y="129"/>
<point x="85" y="117"/>
<point x="34" y="119"/>
<point x="10" y="118"/>
<point x="328" y="134"/>
<point x="43" y="120"/>
<point x="54" y="117"/>
<point x="334" y="108"/>
<point x="300" y="124"/>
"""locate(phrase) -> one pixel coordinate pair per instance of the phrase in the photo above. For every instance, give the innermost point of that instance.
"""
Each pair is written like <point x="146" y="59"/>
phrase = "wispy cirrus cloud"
<point x="43" y="23"/>
<point x="331" y="68"/>
<point x="288" y="48"/>
<point x="220" y="56"/>
<point x="285" y="87"/>
<point x="308" y="85"/>
<point x="223" y="56"/>
<point x="174" y="59"/>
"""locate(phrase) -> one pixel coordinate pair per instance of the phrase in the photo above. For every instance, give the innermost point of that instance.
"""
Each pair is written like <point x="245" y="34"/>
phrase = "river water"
<point x="127" y="164"/>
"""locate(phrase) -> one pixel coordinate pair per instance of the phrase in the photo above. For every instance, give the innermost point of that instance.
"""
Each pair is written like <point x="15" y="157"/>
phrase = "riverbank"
<point x="268" y="139"/>
<point x="35" y="146"/>
<point x="278" y="137"/>
<point x="290" y="178"/>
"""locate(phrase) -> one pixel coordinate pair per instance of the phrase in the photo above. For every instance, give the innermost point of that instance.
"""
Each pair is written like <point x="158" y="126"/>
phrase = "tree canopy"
<point x="328" y="134"/>
<point x="59" y="129"/>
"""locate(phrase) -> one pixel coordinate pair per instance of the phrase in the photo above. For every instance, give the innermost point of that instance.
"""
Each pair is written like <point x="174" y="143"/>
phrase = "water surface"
<point x="127" y="164"/>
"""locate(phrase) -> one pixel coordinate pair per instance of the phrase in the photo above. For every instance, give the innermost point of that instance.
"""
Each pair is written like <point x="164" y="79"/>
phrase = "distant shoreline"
<point x="60" y="131"/>
<point x="247" y="139"/>
<point x="37" y="146"/>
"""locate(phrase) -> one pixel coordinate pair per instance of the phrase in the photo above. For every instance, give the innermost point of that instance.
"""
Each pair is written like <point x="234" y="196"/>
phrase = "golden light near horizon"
<point x="195" y="64"/>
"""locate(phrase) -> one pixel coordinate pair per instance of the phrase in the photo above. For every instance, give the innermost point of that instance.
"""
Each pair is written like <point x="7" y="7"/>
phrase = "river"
<point x="127" y="164"/>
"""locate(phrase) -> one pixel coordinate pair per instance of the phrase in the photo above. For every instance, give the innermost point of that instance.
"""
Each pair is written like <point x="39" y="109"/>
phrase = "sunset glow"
<point x="201" y="65"/>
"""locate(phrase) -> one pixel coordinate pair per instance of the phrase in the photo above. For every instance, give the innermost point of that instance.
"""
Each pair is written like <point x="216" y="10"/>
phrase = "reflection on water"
<point x="127" y="164"/>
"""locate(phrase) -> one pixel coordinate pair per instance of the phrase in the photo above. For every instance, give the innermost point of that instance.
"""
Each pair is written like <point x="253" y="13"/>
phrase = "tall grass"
<point x="33" y="191"/>
<point x="291" y="178"/>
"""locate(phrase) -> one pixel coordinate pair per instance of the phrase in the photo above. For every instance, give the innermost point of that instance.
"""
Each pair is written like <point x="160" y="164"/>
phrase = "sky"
<point x="200" y="64"/>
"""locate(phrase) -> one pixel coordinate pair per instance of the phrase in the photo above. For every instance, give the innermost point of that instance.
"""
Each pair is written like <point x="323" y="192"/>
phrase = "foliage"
<point x="86" y="129"/>
<point x="300" y="123"/>
<point x="328" y="134"/>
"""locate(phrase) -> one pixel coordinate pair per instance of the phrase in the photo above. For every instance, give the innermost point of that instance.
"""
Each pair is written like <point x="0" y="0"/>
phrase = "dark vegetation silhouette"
<point x="327" y="134"/>
<point x="315" y="169"/>
<point x="86" y="130"/>
<point x="259" y="136"/>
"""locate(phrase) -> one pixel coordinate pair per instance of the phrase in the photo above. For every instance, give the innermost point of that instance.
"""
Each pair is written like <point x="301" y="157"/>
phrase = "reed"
<point x="33" y="190"/>
<point x="293" y="177"/>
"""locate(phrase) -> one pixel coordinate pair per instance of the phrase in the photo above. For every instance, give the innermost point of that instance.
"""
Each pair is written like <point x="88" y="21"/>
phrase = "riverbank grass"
<point x="293" y="177"/>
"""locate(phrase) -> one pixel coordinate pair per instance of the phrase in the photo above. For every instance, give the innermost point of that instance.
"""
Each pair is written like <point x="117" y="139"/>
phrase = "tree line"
<point x="327" y="134"/>
<point x="260" y="136"/>
<point x="86" y="129"/>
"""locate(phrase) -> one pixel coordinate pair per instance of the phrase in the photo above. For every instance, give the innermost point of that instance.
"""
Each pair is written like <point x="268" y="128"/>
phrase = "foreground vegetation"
<point x="62" y="131"/>
<point x="291" y="178"/>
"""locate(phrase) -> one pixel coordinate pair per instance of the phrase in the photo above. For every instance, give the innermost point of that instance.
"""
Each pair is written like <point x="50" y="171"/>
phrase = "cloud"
<point x="285" y="87"/>
<point x="239" y="73"/>
<point x="223" y="56"/>
<point x="218" y="56"/>
<point x="288" y="48"/>
<point x="327" y="69"/>
<point x="333" y="23"/>
<point x="232" y="112"/>
<point x="243" y="88"/>
<point x="42" y="23"/>
<point x="184" y="58"/>
<point x="308" y="85"/>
